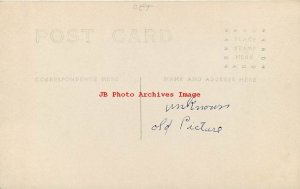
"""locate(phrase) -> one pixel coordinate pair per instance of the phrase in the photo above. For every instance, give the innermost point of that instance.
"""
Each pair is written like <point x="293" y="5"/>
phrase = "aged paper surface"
<point x="150" y="95"/>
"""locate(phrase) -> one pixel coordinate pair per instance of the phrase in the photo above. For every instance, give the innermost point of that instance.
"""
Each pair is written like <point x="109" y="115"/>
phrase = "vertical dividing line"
<point x="141" y="117"/>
